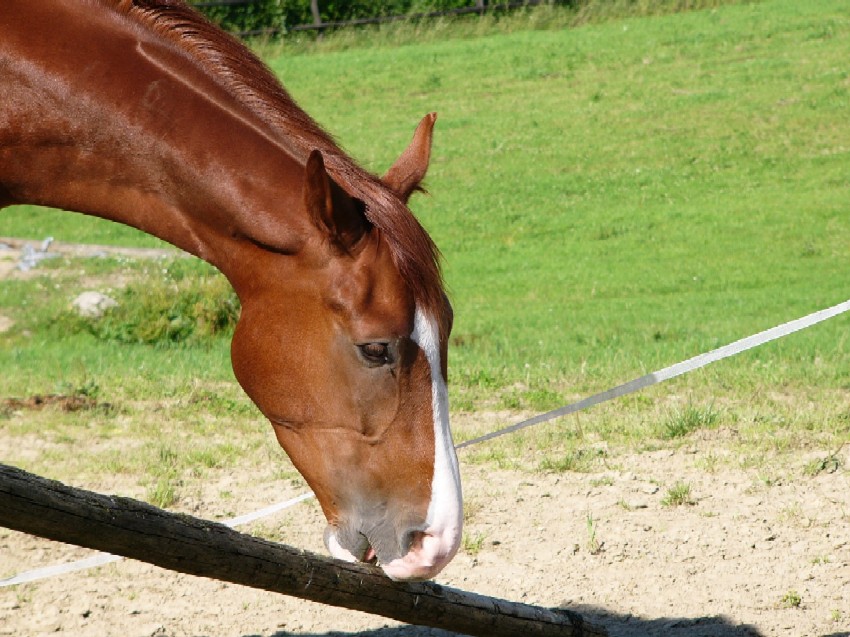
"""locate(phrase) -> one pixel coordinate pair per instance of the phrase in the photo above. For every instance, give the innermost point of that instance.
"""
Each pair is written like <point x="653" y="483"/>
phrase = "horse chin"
<point x="363" y="549"/>
<point x="337" y="550"/>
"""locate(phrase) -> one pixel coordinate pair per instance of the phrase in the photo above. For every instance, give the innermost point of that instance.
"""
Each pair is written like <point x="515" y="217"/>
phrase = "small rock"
<point x="92" y="304"/>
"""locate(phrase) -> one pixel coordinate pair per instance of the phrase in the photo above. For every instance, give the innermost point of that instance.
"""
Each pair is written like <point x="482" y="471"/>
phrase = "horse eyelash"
<point x="388" y="357"/>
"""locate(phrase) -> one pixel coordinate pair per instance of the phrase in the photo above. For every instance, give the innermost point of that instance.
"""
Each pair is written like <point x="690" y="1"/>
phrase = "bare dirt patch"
<point x="748" y="555"/>
<point x="39" y="401"/>
<point x="14" y="247"/>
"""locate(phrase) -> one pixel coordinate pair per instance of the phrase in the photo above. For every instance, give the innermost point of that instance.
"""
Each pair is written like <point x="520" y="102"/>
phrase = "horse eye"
<point x="375" y="354"/>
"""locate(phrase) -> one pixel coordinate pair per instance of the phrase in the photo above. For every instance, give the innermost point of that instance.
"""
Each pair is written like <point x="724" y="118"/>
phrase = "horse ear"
<point x="333" y="212"/>
<point x="409" y="170"/>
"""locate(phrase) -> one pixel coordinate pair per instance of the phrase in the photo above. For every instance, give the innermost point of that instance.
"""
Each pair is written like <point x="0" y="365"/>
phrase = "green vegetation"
<point x="34" y="222"/>
<point x="577" y="460"/>
<point x="280" y="16"/>
<point x="684" y="421"/>
<point x="791" y="599"/>
<point x="610" y="199"/>
<point x="614" y="198"/>
<point x="284" y="14"/>
<point x="550" y="16"/>
<point x="165" y="310"/>
<point x="594" y="546"/>
<point x="830" y="464"/>
<point x="162" y="304"/>
<point x="678" y="495"/>
<point x="472" y="543"/>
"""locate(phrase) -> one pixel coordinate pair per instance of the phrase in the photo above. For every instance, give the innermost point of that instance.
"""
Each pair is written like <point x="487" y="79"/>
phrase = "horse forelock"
<point x="236" y="69"/>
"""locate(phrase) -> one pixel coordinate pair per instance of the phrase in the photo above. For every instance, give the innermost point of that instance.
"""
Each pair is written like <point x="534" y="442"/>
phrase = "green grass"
<point x="472" y="543"/>
<point x="685" y="421"/>
<point x="167" y="310"/>
<point x="614" y="198"/>
<point x="678" y="495"/>
<point x="609" y="199"/>
<point x="49" y="347"/>
<point x="36" y="222"/>
<point x="594" y="546"/>
<point x="578" y="460"/>
<point x="791" y="599"/>
<point x="545" y="17"/>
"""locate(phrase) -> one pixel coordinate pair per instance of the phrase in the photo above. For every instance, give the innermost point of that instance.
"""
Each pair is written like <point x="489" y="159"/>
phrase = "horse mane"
<point x="236" y="69"/>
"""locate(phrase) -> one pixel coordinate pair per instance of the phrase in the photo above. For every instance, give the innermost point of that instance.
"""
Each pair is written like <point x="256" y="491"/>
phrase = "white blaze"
<point x="446" y="509"/>
<point x="444" y="521"/>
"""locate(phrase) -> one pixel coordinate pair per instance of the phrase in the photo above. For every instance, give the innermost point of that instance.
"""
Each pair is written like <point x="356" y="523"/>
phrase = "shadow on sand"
<point x="617" y="625"/>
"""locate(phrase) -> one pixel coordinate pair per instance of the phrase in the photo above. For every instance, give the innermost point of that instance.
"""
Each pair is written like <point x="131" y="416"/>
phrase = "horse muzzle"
<point x="417" y="555"/>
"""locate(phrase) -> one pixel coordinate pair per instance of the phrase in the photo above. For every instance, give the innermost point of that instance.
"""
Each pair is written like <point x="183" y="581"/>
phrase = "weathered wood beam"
<point x="178" y="542"/>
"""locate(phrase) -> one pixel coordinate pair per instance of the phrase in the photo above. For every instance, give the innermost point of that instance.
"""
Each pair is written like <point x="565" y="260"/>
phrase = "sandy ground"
<point x="749" y="556"/>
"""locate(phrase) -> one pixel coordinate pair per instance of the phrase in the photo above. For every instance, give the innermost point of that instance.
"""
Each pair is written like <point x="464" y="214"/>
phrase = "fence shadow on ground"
<point x="617" y="625"/>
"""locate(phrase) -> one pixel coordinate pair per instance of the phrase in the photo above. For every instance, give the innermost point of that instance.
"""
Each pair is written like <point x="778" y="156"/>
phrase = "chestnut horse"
<point x="142" y="112"/>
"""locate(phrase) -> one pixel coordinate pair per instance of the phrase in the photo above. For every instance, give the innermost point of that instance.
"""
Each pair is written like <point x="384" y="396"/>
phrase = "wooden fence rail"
<point x="137" y="530"/>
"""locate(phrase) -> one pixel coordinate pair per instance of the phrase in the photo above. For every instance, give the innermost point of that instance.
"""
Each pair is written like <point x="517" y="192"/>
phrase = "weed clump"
<point x="791" y="599"/>
<point x="678" y="495"/>
<point x="578" y="461"/>
<point x="165" y="311"/>
<point x="690" y="419"/>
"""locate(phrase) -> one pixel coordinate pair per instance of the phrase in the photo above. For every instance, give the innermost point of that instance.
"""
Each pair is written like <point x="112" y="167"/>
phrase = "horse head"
<point x="345" y="354"/>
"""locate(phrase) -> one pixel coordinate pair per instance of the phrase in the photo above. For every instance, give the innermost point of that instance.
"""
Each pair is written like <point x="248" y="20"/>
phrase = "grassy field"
<point x="609" y="199"/>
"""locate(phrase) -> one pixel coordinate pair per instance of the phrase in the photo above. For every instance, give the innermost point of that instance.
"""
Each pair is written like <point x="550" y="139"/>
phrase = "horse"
<point x="144" y="113"/>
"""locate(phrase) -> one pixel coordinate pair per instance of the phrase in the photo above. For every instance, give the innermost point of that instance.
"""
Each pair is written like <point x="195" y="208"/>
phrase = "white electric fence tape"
<point x="674" y="370"/>
<point x="642" y="382"/>
<point x="100" y="559"/>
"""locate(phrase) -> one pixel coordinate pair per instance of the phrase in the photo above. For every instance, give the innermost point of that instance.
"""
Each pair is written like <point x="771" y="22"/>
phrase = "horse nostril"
<point x="413" y="541"/>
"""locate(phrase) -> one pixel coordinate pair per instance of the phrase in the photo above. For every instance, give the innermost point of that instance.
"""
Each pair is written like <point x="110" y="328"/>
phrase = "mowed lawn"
<point x="609" y="199"/>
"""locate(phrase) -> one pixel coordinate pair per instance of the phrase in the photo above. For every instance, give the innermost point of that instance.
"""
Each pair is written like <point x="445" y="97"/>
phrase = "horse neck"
<point x="104" y="121"/>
